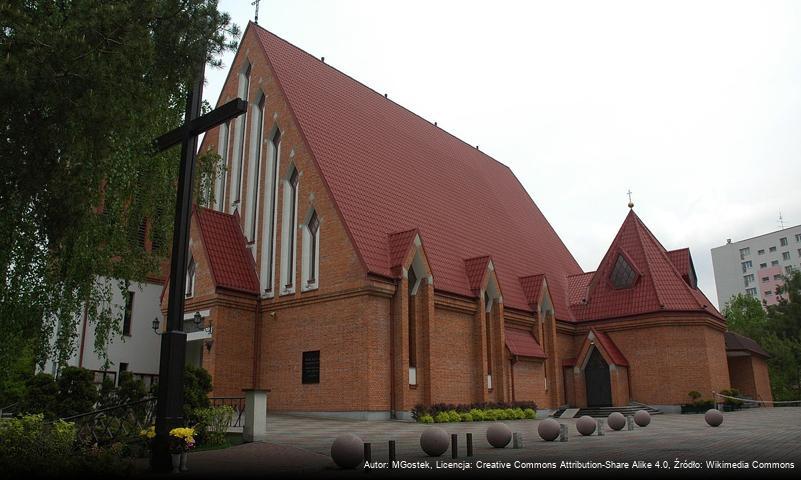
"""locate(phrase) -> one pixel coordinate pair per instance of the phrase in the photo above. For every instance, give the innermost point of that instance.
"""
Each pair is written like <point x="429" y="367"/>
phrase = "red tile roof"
<point x="578" y="286"/>
<point x="476" y="269"/>
<point x="389" y="170"/>
<point x="660" y="286"/>
<point x="532" y="287"/>
<point x="614" y="353"/>
<point x="231" y="263"/>
<point x="683" y="262"/>
<point x="737" y="342"/>
<point x="399" y="244"/>
<point x="522" y="343"/>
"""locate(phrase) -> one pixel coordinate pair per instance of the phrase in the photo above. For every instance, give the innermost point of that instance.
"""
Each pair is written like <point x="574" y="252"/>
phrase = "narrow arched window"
<point x="313" y="227"/>
<point x="222" y="150"/>
<point x="289" y="229"/>
<point x="412" y="320"/>
<point x="257" y="133"/>
<point x="239" y="144"/>
<point x="190" y="277"/>
<point x="270" y="206"/>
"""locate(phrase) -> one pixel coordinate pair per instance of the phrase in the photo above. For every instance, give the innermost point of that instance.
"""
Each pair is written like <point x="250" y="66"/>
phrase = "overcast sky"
<point x="694" y="106"/>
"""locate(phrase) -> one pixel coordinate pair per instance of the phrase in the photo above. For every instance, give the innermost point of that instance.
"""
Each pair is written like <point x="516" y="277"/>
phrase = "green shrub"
<point x="530" y="413"/>
<point x="76" y="392"/>
<point x="41" y="391"/>
<point x="454" y="416"/>
<point x="491" y="415"/>
<point x="695" y="395"/>
<point x="425" y="419"/>
<point x="733" y="392"/>
<point x="30" y="445"/>
<point x="466" y="417"/>
<point x="478" y="415"/>
<point x="130" y="389"/>
<point x="442" y="417"/>
<point x="197" y="385"/>
<point x="108" y="394"/>
<point x="215" y="421"/>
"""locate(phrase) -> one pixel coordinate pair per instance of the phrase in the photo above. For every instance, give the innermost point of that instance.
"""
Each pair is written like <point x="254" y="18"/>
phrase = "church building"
<point x="358" y="260"/>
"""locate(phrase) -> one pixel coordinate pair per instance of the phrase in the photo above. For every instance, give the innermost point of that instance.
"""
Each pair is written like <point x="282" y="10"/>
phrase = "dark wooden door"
<point x="596" y="376"/>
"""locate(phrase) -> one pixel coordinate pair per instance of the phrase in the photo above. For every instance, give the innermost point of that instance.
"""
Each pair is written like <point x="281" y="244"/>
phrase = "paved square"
<point x="298" y="444"/>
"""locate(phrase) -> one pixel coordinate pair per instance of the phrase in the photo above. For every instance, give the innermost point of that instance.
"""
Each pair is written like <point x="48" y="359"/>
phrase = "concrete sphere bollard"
<point x="585" y="425"/>
<point x="713" y="417"/>
<point x="642" y="418"/>
<point x="347" y="451"/>
<point x="549" y="429"/>
<point x="616" y="421"/>
<point x="434" y="441"/>
<point x="499" y="435"/>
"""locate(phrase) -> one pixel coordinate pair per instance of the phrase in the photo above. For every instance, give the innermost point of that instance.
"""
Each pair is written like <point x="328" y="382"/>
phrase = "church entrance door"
<point x="596" y="376"/>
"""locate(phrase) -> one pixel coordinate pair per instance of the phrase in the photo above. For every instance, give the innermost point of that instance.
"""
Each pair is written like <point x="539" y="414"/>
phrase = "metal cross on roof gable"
<point x="256" y="3"/>
<point x="169" y="407"/>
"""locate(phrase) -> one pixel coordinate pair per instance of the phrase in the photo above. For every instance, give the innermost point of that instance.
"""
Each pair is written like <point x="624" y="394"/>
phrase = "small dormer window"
<point x="623" y="276"/>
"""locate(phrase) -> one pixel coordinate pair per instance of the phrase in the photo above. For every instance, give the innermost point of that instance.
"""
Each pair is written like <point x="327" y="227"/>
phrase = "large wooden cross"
<point x="170" y="402"/>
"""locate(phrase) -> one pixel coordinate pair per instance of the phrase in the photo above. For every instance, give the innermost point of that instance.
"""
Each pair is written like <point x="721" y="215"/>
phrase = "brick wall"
<point x="529" y="382"/>
<point x="749" y="375"/>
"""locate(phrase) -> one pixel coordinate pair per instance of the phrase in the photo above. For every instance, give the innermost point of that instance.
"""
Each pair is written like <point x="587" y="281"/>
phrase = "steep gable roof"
<point x="476" y="270"/>
<point x="683" y="262"/>
<point x="522" y="343"/>
<point x="388" y="170"/>
<point x="659" y="285"/>
<point x="614" y="353"/>
<point x="736" y="342"/>
<point x="532" y="287"/>
<point x="399" y="244"/>
<point x="231" y="263"/>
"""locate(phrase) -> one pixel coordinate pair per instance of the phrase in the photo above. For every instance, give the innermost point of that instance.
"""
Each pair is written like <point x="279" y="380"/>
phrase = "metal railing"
<point x="237" y="403"/>
<point x="9" y="410"/>
<point x="119" y="423"/>
<point x="753" y="403"/>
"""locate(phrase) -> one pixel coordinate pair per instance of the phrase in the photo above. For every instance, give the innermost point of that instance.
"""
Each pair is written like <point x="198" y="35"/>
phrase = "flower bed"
<point x="476" y="412"/>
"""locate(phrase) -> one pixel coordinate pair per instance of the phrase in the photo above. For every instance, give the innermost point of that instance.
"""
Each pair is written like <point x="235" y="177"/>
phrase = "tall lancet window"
<point x="239" y="144"/>
<point x="289" y="229"/>
<point x="311" y="252"/>
<point x="222" y="150"/>
<point x="487" y="324"/>
<point x="190" y="277"/>
<point x="256" y="135"/>
<point x="270" y="206"/>
<point x="412" y="321"/>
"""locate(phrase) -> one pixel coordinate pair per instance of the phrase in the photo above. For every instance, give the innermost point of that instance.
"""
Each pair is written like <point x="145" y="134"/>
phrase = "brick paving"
<point x="302" y="445"/>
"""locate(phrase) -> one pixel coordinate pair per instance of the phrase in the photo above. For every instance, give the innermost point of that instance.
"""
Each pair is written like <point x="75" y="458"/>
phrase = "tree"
<point x="86" y="87"/>
<point x="76" y="392"/>
<point x="41" y="391"/>
<point x="784" y="342"/>
<point x="746" y="315"/>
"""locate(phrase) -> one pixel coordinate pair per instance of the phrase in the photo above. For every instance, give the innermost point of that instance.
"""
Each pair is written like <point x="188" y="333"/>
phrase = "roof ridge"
<point x="663" y="252"/>
<point x="647" y="263"/>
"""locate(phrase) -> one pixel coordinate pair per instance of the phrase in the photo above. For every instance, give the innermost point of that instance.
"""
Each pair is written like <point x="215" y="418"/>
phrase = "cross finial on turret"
<point x="631" y="204"/>
<point x="256" y="3"/>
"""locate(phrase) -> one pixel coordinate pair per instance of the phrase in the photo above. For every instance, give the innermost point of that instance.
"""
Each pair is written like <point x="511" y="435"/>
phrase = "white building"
<point x="754" y="266"/>
<point x="136" y="350"/>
